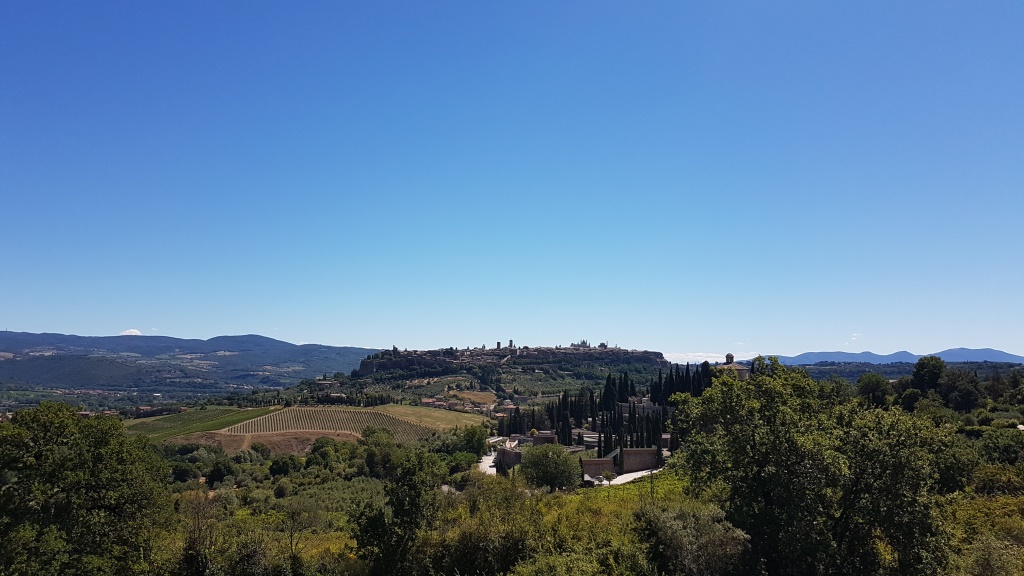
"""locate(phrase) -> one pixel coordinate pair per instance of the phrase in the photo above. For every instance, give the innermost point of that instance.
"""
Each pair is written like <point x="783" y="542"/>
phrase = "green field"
<point x="432" y="417"/>
<point x="160" y="428"/>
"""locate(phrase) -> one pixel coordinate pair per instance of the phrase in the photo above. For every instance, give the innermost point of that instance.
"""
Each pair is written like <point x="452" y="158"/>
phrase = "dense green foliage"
<point x="77" y="496"/>
<point x="820" y="485"/>
<point x="691" y="538"/>
<point x="776" y="475"/>
<point x="551" y="466"/>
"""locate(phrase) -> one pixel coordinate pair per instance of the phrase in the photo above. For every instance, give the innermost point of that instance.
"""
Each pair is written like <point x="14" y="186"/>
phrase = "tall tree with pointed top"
<point x="609" y="394"/>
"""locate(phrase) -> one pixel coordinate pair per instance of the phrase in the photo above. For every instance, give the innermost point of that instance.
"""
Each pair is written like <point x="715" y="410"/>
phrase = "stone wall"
<point x="509" y="458"/>
<point x="637" y="459"/>
<point x="595" y="467"/>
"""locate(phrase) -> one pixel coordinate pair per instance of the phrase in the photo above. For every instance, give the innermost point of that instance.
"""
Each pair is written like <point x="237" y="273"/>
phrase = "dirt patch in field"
<point x="279" y="442"/>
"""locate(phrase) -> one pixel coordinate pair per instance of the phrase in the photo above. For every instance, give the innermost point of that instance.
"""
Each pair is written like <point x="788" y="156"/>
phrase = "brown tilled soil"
<point x="278" y="442"/>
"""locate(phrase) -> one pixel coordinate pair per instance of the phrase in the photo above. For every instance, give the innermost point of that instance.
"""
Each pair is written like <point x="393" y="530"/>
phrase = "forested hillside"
<point x="116" y="371"/>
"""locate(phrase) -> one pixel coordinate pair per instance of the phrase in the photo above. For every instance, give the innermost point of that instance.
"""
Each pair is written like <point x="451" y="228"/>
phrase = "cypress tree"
<point x="609" y="394"/>
<point x="593" y="408"/>
<point x="657" y="388"/>
<point x="567" y="427"/>
<point x="705" y="376"/>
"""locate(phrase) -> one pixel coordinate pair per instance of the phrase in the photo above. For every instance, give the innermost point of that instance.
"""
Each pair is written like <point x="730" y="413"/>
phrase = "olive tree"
<point x="551" y="466"/>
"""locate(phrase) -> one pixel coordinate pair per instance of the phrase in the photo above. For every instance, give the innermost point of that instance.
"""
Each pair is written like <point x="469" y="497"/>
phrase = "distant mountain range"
<point x="155" y="363"/>
<point x="951" y="355"/>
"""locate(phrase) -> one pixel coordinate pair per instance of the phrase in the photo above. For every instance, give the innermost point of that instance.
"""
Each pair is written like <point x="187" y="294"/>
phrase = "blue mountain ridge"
<point x="123" y="362"/>
<point x="951" y="355"/>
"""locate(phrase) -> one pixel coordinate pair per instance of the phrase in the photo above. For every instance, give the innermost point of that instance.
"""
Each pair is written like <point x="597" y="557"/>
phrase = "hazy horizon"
<point x="673" y="356"/>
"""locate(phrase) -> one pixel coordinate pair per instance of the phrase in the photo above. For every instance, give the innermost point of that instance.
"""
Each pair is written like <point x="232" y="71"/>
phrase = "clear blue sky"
<point x="770" y="177"/>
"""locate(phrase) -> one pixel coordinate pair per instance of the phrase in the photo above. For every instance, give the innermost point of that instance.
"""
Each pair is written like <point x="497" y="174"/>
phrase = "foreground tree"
<point x="819" y="484"/>
<point x="385" y="530"/>
<point x="77" y="496"/>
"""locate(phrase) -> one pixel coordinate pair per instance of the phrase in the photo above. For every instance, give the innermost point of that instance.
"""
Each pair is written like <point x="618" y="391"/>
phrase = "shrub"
<point x="695" y="539"/>
<point x="550" y="466"/>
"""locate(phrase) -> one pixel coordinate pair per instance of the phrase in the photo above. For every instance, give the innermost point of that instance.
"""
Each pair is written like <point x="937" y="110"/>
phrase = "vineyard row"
<point x="330" y="420"/>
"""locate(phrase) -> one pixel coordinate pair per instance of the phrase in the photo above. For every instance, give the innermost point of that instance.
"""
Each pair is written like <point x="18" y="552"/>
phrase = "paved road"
<point x="633" y="476"/>
<point x="487" y="464"/>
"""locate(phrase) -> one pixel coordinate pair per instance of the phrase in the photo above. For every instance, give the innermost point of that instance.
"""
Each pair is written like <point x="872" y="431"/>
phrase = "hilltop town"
<point x="518" y="358"/>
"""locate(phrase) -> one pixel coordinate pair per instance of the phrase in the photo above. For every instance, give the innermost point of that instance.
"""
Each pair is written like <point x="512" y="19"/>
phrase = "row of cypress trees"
<point x="683" y="380"/>
<point x="618" y="428"/>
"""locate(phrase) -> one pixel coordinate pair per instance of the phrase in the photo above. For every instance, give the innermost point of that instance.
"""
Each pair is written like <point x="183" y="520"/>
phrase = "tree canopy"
<point x="549" y="465"/>
<point x="77" y="496"/>
<point x="819" y="485"/>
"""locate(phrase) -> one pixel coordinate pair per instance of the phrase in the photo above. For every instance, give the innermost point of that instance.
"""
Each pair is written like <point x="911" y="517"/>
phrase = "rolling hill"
<point x="159" y="364"/>
<point x="951" y="355"/>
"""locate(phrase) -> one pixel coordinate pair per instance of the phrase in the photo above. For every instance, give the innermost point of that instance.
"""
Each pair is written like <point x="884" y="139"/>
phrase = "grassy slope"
<point x="432" y="417"/>
<point x="144" y="421"/>
<point x="160" y="428"/>
<point x="481" y="397"/>
<point x="667" y="486"/>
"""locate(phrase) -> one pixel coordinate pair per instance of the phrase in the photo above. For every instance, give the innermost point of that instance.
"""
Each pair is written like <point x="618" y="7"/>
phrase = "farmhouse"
<point x="742" y="372"/>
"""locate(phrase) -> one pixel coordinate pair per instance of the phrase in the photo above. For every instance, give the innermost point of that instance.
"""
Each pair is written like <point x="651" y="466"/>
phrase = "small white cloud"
<point x="154" y="329"/>
<point x="131" y="332"/>
<point x="855" y="336"/>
